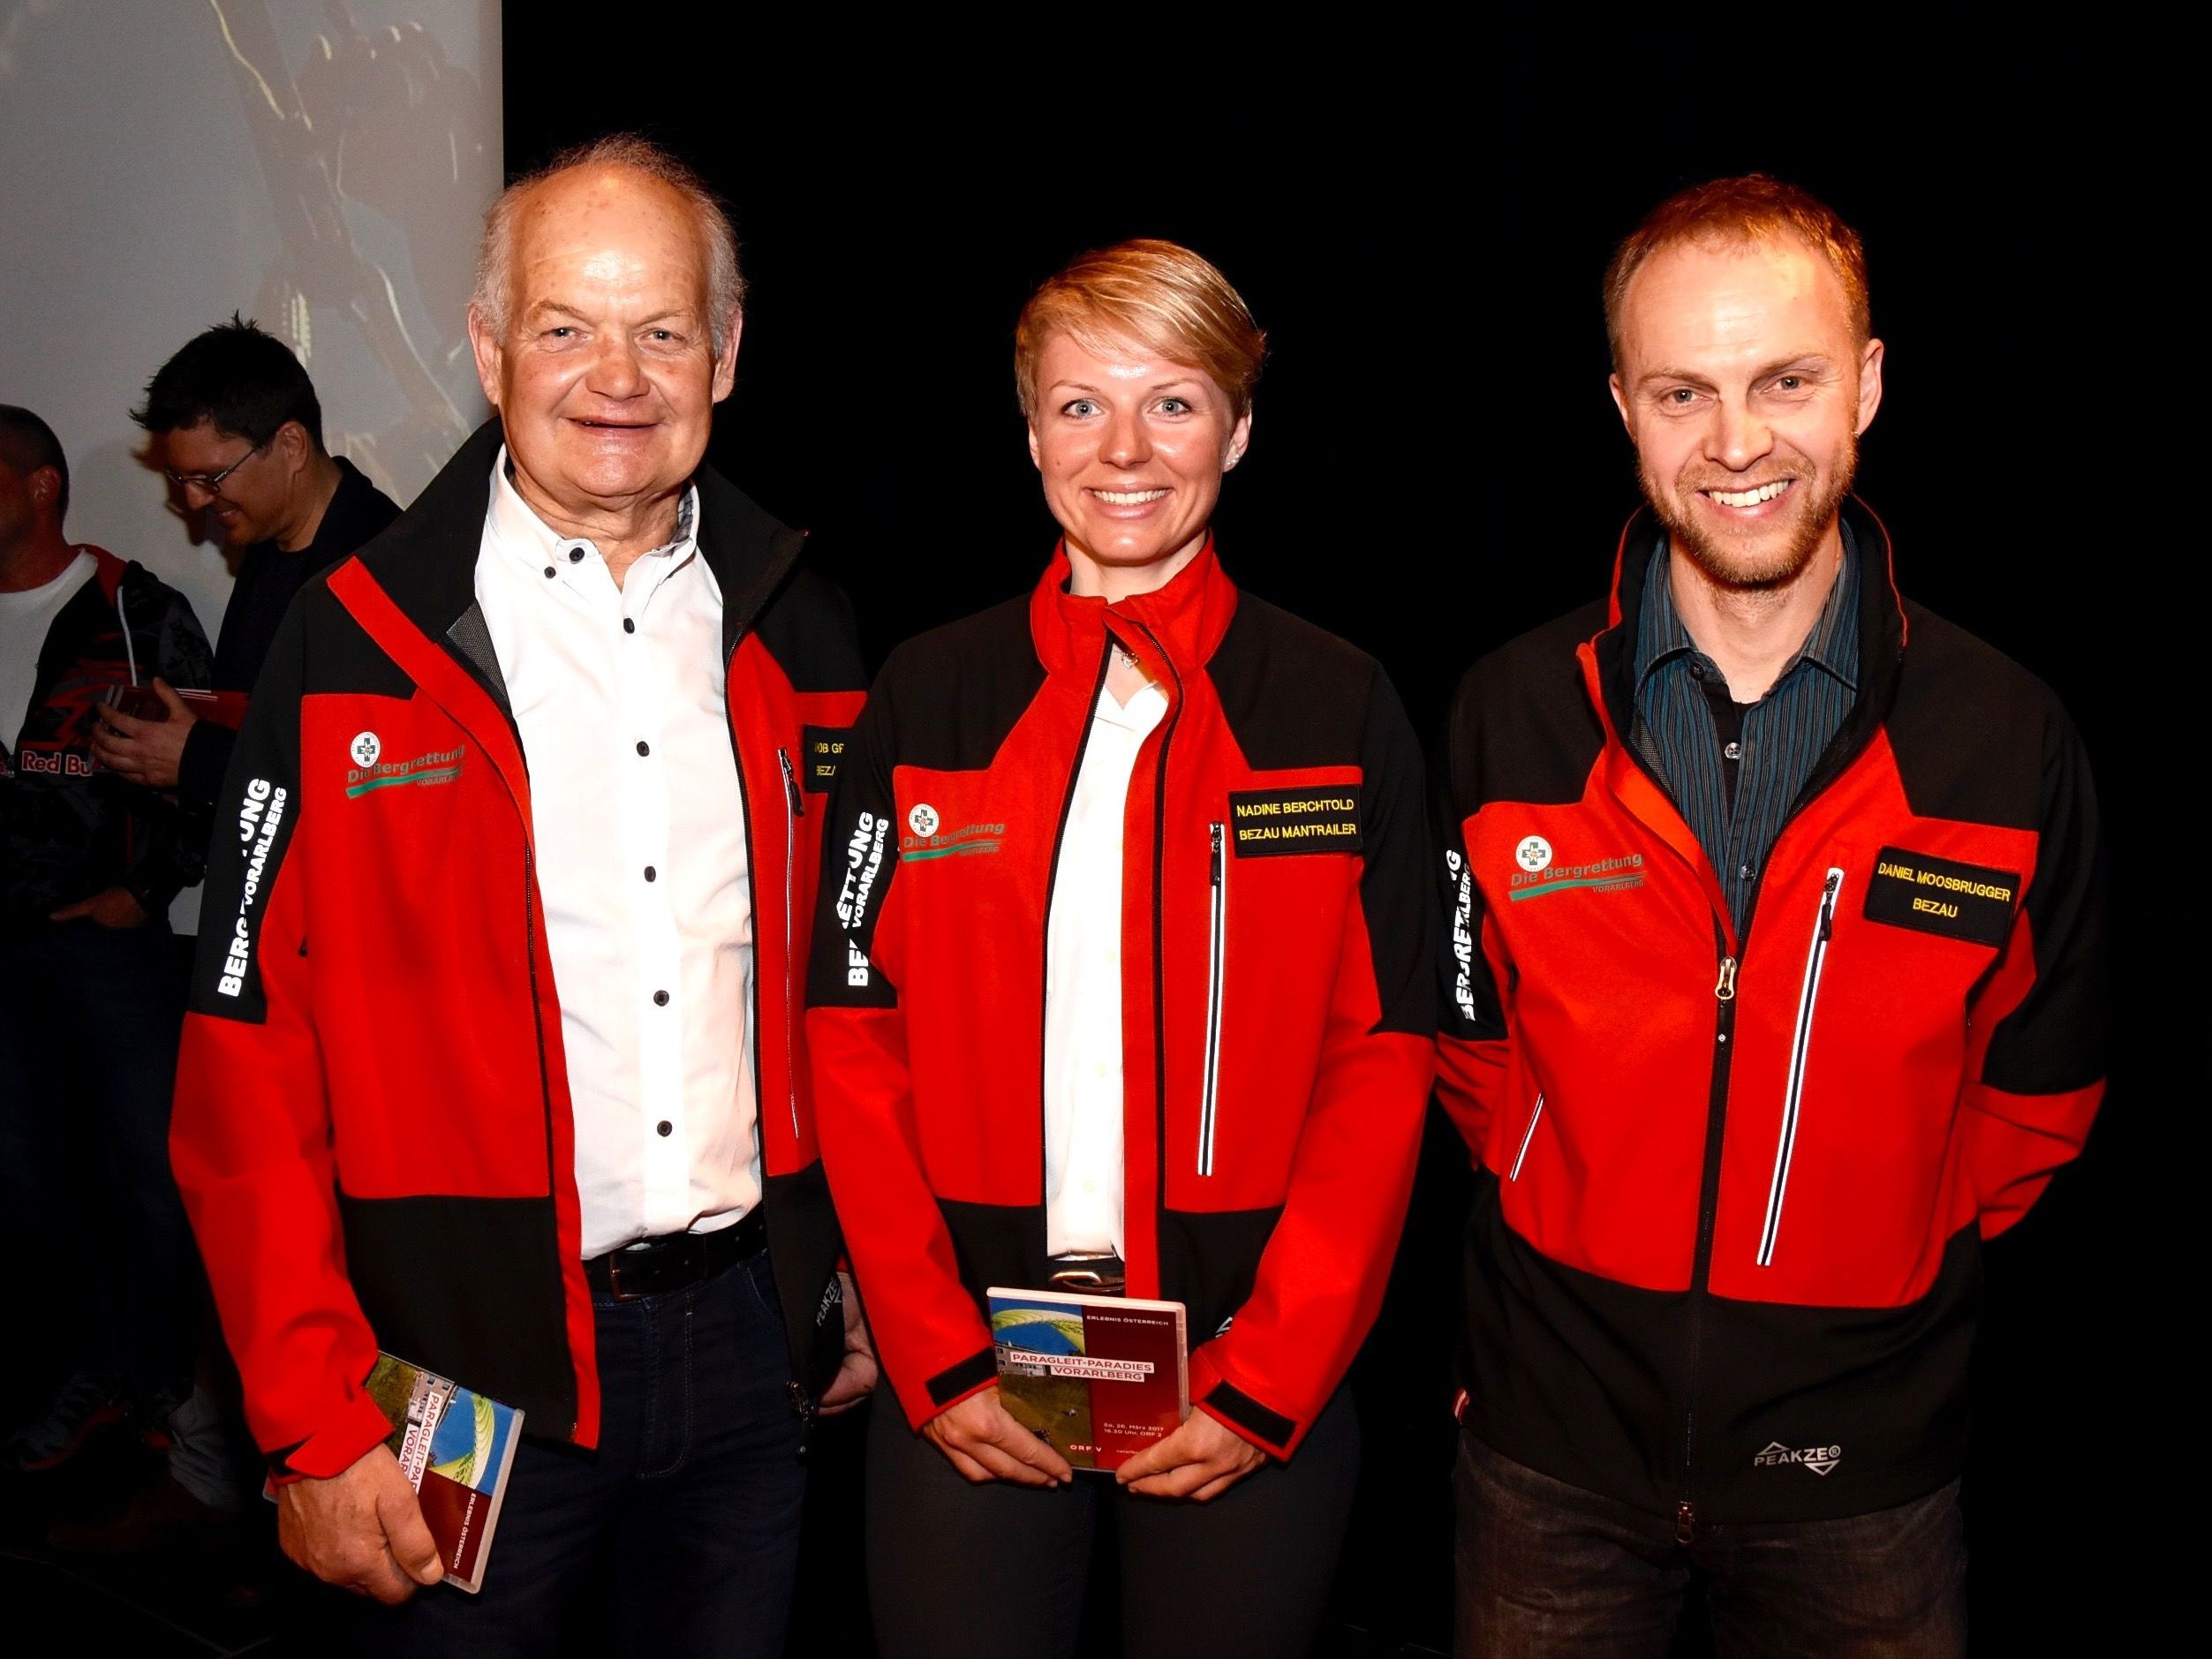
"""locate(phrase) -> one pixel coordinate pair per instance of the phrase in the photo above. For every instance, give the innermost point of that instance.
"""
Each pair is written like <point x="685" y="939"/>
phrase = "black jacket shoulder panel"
<point x="1522" y="728"/>
<point x="338" y="655"/>
<point x="809" y="630"/>
<point x="1970" y="727"/>
<point x="1294" y="695"/>
<point x="953" y="694"/>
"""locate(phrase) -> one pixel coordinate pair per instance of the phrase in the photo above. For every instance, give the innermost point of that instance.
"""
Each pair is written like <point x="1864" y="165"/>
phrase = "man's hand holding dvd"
<point x="417" y="1510"/>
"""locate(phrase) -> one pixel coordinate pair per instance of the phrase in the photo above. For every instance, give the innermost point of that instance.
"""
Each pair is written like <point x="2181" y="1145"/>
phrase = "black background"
<point x="1436" y="466"/>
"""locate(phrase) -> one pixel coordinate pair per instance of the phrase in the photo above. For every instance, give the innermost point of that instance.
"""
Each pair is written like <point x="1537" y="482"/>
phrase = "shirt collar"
<point x="1833" y="645"/>
<point x="515" y="525"/>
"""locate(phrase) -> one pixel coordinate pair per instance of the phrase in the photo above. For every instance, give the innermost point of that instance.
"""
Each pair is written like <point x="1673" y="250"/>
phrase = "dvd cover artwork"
<point x="456" y="1448"/>
<point x="1097" y="1378"/>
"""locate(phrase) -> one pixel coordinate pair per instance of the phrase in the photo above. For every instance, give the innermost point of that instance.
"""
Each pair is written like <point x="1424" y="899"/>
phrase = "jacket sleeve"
<point x="1321" y="1278"/>
<point x="2036" y="1068"/>
<point x="170" y="851"/>
<point x="205" y="764"/>
<point x="933" y="1345"/>
<point x="1472" y="1043"/>
<point x="250" y="1135"/>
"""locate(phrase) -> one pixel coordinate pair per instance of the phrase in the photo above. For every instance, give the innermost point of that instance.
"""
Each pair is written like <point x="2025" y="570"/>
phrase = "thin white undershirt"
<point x="1082" y="988"/>
<point x="25" y="619"/>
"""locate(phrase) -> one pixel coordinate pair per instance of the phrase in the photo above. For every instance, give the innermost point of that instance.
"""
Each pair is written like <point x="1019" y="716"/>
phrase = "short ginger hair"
<point x="495" y="254"/>
<point x="1160" y="295"/>
<point x="1751" y="208"/>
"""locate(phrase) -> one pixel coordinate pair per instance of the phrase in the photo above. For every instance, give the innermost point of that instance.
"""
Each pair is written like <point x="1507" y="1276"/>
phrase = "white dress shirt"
<point x="1082" y="988"/>
<point x="622" y="697"/>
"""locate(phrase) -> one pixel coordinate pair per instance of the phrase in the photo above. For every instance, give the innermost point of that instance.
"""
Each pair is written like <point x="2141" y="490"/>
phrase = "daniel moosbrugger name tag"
<point x="1274" y="822"/>
<point x="1938" y="895"/>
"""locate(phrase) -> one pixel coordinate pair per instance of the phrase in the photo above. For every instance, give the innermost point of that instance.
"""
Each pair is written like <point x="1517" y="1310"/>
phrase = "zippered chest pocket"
<point x="1817" y="955"/>
<point x="1217" y="961"/>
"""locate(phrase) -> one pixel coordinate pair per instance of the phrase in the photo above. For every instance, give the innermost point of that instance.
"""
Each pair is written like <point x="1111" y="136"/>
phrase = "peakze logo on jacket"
<point x="1724" y="1263"/>
<point x="1275" y="1005"/>
<point x="372" y="1130"/>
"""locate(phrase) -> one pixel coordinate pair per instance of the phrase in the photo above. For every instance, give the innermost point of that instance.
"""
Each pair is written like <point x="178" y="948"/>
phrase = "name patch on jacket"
<point x="820" y="749"/>
<point x="1275" y="823"/>
<point x="1935" y="895"/>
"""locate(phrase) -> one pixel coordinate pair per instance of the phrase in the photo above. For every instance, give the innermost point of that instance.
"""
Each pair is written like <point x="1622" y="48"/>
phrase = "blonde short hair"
<point x="495" y="255"/>
<point x="1161" y="296"/>
<point x="1722" y="212"/>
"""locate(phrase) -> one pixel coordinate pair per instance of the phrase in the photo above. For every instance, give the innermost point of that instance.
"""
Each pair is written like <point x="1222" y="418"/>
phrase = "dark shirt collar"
<point x="1833" y="645"/>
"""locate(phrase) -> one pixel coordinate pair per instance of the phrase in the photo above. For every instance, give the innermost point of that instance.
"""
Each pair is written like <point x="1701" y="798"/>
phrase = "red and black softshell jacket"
<point x="1277" y="1005"/>
<point x="372" y="1131"/>
<point x="1723" y="1261"/>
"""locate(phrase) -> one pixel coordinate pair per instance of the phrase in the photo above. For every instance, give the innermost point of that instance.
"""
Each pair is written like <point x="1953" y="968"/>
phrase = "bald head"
<point x="597" y="179"/>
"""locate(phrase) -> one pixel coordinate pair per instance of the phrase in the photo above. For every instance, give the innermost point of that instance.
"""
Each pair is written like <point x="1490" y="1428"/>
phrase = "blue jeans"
<point x="686" y="1518"/>
<point x="1546" y="1568"/>
<point x="89" y="1020"/>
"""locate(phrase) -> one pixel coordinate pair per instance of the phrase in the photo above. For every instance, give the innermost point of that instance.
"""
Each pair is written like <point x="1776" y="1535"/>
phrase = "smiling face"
<point x="256" y="499"/>
<point x="1132" y="448"/>
<point x="1744" y="388"/>
<point x="606" y="376"/>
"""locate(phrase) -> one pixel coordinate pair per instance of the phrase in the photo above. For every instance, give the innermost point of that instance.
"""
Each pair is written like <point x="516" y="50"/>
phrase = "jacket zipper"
<point x="1708" y="1203"/>
<point x="1216" y="948"/>
<point x="1527" y="1136"/>
<point x="1159" y="942"/>
<point x="790" y="859"/>
<point x="1801" y="1041"/>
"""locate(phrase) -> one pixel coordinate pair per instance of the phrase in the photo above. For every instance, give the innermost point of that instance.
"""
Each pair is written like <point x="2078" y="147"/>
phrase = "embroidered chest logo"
<point x="1819" y="1459"/>
<point x="440" y="766"/>
<point x="1935" y="895"/>
<point x="365" y="748"/>
<point x="1546" y="875"/>
<point x="936" y="841"/>
<point x="1276" y="823"/>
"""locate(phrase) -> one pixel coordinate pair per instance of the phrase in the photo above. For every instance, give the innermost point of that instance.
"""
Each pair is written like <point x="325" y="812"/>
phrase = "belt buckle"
<point x="1097" y="1276"/>
<point x="655" y="1269"/>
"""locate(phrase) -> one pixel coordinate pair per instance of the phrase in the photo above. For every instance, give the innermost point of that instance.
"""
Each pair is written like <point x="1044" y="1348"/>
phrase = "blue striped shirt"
<point x="1736" y="769"/>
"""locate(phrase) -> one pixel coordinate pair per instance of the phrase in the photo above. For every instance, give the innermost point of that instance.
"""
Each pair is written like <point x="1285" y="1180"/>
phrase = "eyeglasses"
<point x="210" y="482"/>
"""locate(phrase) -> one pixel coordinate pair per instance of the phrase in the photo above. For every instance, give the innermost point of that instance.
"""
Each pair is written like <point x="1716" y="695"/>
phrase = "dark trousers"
<point x="686" y="1517"/>
<point x="89" y="1018"/>
<point x="956" y="1569"/>
<point x="1545" y="1568"/>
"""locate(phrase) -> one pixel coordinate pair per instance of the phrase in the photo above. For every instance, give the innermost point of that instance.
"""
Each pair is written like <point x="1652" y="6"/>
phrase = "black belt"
<point x="1088" y="1274"/>
<point x="653" y="1267"/>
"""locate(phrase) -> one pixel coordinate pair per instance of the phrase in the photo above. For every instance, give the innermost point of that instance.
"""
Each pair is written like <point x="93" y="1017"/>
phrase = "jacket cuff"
<point x="334" y="1448"/>
<point x="1248" y="1418"/>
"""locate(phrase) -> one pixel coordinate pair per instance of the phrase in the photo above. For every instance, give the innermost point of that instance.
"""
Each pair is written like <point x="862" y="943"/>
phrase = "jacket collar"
<point x="1183" y="621"/>
<point x="426" y="560"/>
<point x="1882" y="625"/>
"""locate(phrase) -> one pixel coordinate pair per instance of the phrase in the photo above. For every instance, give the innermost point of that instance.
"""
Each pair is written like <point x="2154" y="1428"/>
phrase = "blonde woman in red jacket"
<point x="1118" y="984"/>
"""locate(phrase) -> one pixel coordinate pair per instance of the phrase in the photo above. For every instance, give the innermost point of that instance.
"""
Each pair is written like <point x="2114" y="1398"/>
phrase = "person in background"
<point x="238" y="429"/>
<point x="1120" y="986"/>
<point x="1774" y="991"/>
<point x="89" y="999"/>
<point x="493" y="1059"/>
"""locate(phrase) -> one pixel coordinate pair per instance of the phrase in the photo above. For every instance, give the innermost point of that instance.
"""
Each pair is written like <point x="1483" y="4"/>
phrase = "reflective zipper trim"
<point x="1527" y="1136"/>
<point x="1815" y="961"/>
<point x="790" y="859"/>
<point x="1217" y="947"/>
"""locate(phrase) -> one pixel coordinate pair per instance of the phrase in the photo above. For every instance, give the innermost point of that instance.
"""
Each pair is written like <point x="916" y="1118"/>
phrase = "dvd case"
<point x="1097" y="1377"/>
